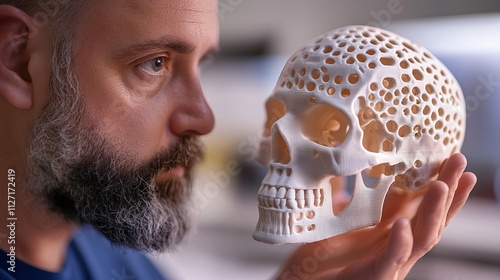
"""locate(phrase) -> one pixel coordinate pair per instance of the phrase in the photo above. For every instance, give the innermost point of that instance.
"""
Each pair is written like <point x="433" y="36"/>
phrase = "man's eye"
<point x="155" y="66"/>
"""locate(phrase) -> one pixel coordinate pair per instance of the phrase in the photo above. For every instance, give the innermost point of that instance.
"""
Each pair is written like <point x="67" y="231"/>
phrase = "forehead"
<point x="123" y="21"/>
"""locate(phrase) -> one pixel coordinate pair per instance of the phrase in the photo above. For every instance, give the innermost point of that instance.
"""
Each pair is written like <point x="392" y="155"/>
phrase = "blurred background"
<point x="257" y="37"/>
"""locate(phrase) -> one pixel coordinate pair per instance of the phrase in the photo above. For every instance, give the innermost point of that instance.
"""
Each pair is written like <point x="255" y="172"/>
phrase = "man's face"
<point x="137" y="65"/>
<point x="117" y="151"/>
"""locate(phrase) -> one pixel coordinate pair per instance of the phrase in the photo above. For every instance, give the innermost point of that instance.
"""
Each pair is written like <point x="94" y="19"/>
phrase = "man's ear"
<point x="16" y="27"/>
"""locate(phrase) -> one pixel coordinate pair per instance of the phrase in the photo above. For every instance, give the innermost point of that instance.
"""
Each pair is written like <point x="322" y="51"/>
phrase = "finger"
<point x="450" y="174"/>
<point x="465" y="186"/>
<point x="429" y="222"/>
<point x="388" y="262"/>
<point x="443" y="165"/>
<point x="399" y="249"/>
<point x="452" y="170"/>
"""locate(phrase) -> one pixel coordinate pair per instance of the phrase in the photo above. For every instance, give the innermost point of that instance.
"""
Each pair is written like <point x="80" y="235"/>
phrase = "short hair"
<point x="29" y="6"/>
<point x="48" y="6"/>
<point x="61" y="14"/>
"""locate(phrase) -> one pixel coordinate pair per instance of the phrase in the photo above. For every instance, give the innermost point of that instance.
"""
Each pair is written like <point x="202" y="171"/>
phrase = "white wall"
<point x="288" y="23"/>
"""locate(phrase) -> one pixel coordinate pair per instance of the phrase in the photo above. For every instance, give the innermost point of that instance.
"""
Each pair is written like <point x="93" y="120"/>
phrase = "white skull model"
<point x="357" y="101"/>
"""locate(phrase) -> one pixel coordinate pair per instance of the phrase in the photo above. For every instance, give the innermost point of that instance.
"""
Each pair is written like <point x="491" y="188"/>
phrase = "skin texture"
<point x="136" y="63"/>
<point x="135" y="104"/>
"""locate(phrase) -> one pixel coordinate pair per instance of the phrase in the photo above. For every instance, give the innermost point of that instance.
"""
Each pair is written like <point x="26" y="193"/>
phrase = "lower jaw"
<point x="276" y="227"/>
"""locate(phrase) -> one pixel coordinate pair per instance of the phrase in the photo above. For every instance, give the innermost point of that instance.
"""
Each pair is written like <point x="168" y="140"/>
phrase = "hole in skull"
<point x="404" y="131"/>
<point x="298" y="229"/>
<point x="379" y="37"/>
<point x="310" y="214"/>
<point x="417" y="74"/>
<point x="345" y="92"/>
<point x="297" y="216"/>
<point x="275" y="110"/>
<point x="413" y="179"/>
<point x="343" y="187"/>
<point x="392" y="126"/>
<point x="361" y="58"/>
<point x="325" y="125"/>
<point x="330" y="61"/>
<point x="371" y="178"/>
<point x="311" y="86"/>
<point x="341" y="196"/>
<point x="407" y="45"/>
<point x="279" y="151"/>
<point x="429" y="89"/>
<point x="387" y="61"/>
<point x="389" y="82"/>
<point x="387" y="146"/>
<point x="353" y="78"/>
<point x="370" y="52"/>
<point x="315" y="74"/>
<point x="311" y="227"/>
<point x="374" y="131"/>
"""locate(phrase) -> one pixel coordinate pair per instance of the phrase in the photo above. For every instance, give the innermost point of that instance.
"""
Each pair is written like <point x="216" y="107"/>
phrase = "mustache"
<point x="103" y="171"/>
<point x="188" y="152"/>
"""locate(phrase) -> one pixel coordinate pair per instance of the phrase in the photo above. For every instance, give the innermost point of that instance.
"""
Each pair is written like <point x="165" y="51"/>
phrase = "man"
<point x="101" y="109"/>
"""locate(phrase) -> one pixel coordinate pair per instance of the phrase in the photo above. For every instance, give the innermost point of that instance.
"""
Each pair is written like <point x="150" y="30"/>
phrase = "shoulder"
<point x="4" y="275"/>
<point x="105" y="260"/>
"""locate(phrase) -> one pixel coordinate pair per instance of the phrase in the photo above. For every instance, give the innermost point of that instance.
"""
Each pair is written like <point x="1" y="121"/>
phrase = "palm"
<point x="412" y="223"/>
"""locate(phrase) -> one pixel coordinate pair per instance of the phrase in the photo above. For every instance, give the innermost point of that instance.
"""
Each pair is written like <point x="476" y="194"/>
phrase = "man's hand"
<point x="412" y="224"/>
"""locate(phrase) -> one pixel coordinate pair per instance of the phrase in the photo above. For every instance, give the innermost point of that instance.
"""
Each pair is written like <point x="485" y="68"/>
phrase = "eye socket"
<point x="275" y="111"/>
<point x="156" y="66"/>
<point x="325" y="125"/>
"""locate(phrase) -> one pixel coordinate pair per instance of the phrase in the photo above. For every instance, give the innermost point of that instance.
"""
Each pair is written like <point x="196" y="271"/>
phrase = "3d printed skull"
<point x="360" y="102"/>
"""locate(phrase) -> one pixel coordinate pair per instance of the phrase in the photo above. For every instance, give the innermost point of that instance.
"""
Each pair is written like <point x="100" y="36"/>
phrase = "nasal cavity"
<point x="279" y="150"/>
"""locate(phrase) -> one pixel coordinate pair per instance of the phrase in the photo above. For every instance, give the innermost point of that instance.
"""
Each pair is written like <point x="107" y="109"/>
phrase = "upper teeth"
<point x="279" y="197"/>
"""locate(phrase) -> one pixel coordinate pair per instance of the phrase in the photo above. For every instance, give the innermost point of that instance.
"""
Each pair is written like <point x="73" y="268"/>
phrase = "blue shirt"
<point x="90" y="256"/>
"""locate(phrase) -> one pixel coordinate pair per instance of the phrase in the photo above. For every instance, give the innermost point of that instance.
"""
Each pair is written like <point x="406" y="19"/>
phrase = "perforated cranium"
<point x="361" y="102"/>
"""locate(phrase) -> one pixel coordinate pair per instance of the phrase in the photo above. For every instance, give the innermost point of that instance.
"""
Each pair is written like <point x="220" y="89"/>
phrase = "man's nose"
<point x="192" y="115"/>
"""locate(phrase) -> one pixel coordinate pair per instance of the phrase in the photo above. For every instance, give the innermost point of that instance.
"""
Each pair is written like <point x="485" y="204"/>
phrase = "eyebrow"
<point x="163" y="43"/>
